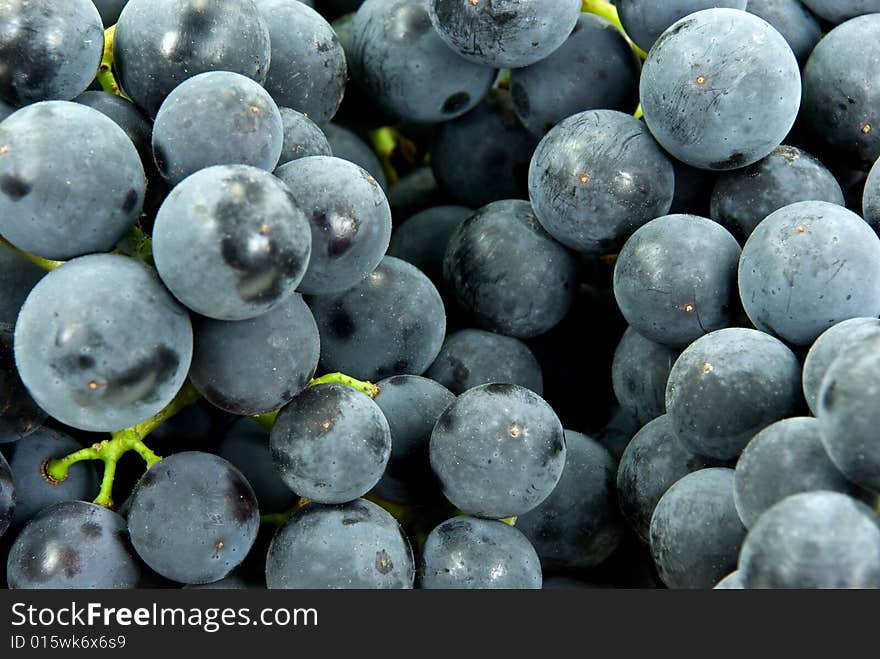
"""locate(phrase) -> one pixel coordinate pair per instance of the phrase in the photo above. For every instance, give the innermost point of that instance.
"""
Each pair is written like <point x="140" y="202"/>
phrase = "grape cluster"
<point x="439" y="294"/>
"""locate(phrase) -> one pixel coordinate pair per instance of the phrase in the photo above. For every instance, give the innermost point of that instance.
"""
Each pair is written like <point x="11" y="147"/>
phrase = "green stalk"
<point x="608" y="11"/>
<point x="110" y="451"/>
<point x="105" y="70"/>
<point x="45" y="264"/>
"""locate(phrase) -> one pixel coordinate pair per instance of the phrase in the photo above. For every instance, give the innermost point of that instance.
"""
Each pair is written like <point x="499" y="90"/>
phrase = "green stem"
<point x="105" y="70"/>
<point x="384" y="142"/>
<point x="608" y="11"/>
<point x="110" y="451"/>
<point x="141" y="245"/>
<point x="45" y="264"/>
<point x="266" y="420"/>
<point x="638" y="114"/>
<point x="364" y="387"/>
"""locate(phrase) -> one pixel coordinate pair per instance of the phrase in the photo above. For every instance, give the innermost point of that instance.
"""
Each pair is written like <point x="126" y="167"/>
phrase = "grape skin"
<point x="302" y="137"/>
<point x="7" y="495"/>
<point x="639" y="373"/>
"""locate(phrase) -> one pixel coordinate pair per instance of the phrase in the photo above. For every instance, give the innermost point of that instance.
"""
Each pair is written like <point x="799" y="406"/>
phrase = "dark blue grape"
<point x="645" y="20"/>
<point x="729" y="385"/>
<point x="785" y="458"/>
<point x="741" y="199"/>
<point x="831" y="344"/>
<point x="848" y="413"/>
<point x="800" y="28"/>
<point x="65" y="197"/>
<point x="254" y="366"/>
<point x="695" y="532"/>
<point x="356" y="545"/>
<point x="34" y="491"/>
<point x="401" y="63"/>
<point x="411" y="405"/>
<point x="331" y="444"/>
<point x="578" y="526"/>
<point x="616" y="435"/>
<point x="652" y="463"/>
<point x="101" y="345"/>
<point x="228" y="104"/>
<point x="347" y="145"/>
<point x="193" y="518"/>
<point x="871" y="197"/>
<point x="307" y="70"/>
<point x="838" y="11"/>
<point x="471" y="553"/>
<point x="841" y="105"/>
<point x="349" y="217"/>
<point x="160" y="43"/>
<point x="5" y="110"/>
<point x="508" y="272"/>
<point x="246" y="445"/>
<point x="596" y="177"/>
<point x="7" y="496"/>
<point x="720" y="89"/>
<point x="250" y="239"/>
<point x="675" y="279"/>
<point x="423" y="238"/>
<point x="50" y="50"/>
<point x="19" y="414"/>
<point x="504" y="34"/>
<point x="484" y="155"/>
<point x="391" y="323"/>
<point x="808" y="266"/>
<point x="130" y="119"/>
<point x="417" y="191"/>
<point x="302" y="137"/>
<point x="595" y="68"/>
<point x="693" y="190"/>
<point x="813" y="540"/>
<point x="639" y="373"/>
<point x="470" y="358"/>
<point x="73" y="545"/>
<point x="498" y="451"/>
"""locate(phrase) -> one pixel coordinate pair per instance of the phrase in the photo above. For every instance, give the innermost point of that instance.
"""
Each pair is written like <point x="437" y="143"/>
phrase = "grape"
<point x="34" y="492"/>
<point x="813" y="540"/>
<point x="7" y="496"/>
<point x="5" y="110"/>
<point x="331" y="444"/>
<point x="675" y="279"/>
<point x="645" y="20"/>
<point x="109" y="10"/>
<point x="254" y="366"/>
<point x="356" y="545"/>
<point x="160" y="43"/>
<point x="347" y="145"/>
<point x="49" y="49"/>
<point x="483" y="156"/>
<point x="695" y="531"/>
<point x="302" y="137"/>
<point x="416" y="192"/>
<point x="808" y="266"/>
<point x="838" y="11"/>
<point x="307" y="71"/>
<point x="741" y="199"/>
<point x="508" y="272"/>
<point x="595" y="68"/>
<point x="246" y="446"/>
<point x="471" y="357"/>
<point x="423" y="238"/>
<point x="472" y="553"/>
<point x="785" y="458"/>
<point x="616" y="435"/>
<point x="578" y="526"/>
<point x="100" y="345"/>
<point x="411" y="405"/>
<point x="243" y="232"/>
<point x="693" y="190"/>
<point x="841" y="106"/>
<point x="729" y="385"/>
<point x="349" y="218"/>
<point x="61" y="198"/>
<point x="391" y="323"/>
<point x="652" y="462"/>
<point x="848" y="412"/>
<point x="800" y="28"/>
<point x="498" y="451"/>
<point x="73" y="545"/>
<point x="733" y="581"/>
<point x="404" y="66"/>
<point x="129" y="118"/>
<point x="831" y="344"/>
<point x="228" y="104"/>
<point x="19" y="414"/>
<point x="871" y="197"/>
<point x="720" y="89"/>
<point x="193" y="518"/>
<point x="596" y="177"/>
<point x="504" y="34"/>
<point x="639" y="374"/>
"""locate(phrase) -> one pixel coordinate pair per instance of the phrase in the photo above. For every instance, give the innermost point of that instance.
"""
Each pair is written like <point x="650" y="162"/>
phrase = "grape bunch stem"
<point x="608" y="11"/>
